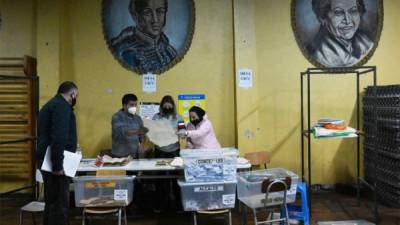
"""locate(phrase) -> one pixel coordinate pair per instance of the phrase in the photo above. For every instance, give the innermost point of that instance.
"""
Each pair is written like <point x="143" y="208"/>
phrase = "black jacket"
<point x="57" y="129"/>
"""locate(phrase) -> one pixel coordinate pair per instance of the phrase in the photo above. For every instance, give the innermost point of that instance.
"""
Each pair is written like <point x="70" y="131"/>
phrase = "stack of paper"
<point x="109" y="161"/>
<point x="178" y="162"/>
<point x="320" y="132"/>
<point x="333" y="128"/>
<point x="242" y="161"/>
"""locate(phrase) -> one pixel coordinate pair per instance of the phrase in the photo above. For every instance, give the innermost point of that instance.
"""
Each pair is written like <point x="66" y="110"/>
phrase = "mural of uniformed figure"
<point x="145" y="46"/>
<point x="339" y="41"/>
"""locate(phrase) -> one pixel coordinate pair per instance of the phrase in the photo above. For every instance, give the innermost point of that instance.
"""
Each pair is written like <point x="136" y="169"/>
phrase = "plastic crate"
<point x="209" y="165"/>
<point x="388" y="194"/>
<point x="249" y="187"/>
<point x="208" y="195"/>
<point x="107" y="191"/>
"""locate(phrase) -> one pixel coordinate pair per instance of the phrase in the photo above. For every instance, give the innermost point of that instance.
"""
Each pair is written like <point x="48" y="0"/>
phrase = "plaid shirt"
<point x="122" y="144"/>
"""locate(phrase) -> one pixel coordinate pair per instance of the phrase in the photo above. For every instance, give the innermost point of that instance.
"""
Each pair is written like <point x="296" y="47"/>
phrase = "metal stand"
<point x="306" y="133"/>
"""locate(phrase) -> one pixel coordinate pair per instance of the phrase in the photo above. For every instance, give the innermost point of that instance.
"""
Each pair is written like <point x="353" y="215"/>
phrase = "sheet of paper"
<point x="70" y="163"/>
<point x="148" y="109"/>
<point x="245" y="78"/>
<point x="161" y="132"/>
<point x="149" y="83"/>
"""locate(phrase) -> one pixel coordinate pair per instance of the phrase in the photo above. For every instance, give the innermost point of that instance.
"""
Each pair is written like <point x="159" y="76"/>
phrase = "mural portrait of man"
<point x="143" y="45"/>
<point x="340" y="39"/>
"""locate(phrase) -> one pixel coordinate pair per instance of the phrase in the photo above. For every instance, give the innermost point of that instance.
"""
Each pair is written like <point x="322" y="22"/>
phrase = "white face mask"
<point x="132" y="110"/>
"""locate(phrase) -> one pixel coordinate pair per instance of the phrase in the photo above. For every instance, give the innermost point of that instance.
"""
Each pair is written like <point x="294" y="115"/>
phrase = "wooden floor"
<point x="327" y="206"/>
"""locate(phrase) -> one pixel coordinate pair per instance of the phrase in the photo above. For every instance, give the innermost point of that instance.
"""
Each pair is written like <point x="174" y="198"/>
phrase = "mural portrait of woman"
<point x="148" y="36"/>
<point x="337" y="33"/>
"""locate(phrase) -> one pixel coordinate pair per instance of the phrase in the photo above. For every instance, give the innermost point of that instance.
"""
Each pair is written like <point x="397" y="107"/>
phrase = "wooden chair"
<point x="106" y="210"/>
<point x="258" y="158"/>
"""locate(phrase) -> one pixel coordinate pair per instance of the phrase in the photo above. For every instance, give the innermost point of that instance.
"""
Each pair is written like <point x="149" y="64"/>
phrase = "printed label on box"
<point x="210" y="161"/>
<point x="208" y="188"/>
<point x="121" y="195"/>
<point x="229" y="169"/>
<point x="228" y="199"/>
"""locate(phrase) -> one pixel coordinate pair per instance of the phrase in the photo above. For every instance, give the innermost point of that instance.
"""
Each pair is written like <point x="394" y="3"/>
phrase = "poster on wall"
<point x="149" y="83"/>
<point x="148" y="109"/>
<point x="245" y="78"/>
<point x="337" y="33"/>
<point x="148" y="36"/>
<point x="185" y="102"/>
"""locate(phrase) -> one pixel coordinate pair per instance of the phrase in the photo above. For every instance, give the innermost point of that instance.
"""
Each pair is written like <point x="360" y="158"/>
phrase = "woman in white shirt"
<point x="168" y="112"/>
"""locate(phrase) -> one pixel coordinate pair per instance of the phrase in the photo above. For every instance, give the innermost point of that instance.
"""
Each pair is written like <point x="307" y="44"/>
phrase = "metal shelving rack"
<point x="306" y="133"/>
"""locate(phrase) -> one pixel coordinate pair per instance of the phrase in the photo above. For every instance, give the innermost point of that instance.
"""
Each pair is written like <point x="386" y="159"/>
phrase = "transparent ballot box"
<point x="107" y="191"/>
<point x="209" y="165"/>
<point x="208" y="195"/>
<point x="250" y="184"/>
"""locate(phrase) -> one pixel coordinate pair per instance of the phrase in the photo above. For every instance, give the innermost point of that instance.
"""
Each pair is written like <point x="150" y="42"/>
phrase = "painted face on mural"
<point x="343" y="19"/>
<point x="151" y="18"/>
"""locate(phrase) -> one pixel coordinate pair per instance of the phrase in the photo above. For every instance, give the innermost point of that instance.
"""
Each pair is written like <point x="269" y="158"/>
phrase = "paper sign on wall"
<point x="245" y="78"/>
<point x="149" y="82"/>
<point x="148" y="109"/>
<point x="185" y="102"/>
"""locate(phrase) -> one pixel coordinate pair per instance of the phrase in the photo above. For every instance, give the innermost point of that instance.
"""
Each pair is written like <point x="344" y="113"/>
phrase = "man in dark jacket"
<point x="57" y="131"/>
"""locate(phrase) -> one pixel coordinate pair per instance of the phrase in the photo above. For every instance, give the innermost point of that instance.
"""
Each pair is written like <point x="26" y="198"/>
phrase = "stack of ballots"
<point x="210" y="178"/>
<point x="333" y="128"/>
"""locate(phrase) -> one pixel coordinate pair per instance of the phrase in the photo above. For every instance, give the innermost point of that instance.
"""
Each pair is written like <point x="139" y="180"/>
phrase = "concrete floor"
<point x="327" y="206"/>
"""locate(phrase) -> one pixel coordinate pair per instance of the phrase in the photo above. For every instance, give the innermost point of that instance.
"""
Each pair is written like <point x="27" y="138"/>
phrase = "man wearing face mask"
<point x="57" y="129"/>
<point x="200" y="131"/>
<point x="127" y="129"/>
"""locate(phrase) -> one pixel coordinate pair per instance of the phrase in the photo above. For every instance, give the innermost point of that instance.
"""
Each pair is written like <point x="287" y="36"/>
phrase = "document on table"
<point x="161" y="133"/>
<point x="70" y="163"/>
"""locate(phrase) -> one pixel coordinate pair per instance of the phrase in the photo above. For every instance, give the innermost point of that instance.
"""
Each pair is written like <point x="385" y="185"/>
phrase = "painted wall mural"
<point x="148" y="36"/>
<point x="337" y="33"/>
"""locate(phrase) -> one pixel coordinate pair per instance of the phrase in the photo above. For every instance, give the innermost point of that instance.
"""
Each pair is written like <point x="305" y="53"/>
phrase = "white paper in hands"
<point x="70" y="163"/>
<point x="161" y="133"/>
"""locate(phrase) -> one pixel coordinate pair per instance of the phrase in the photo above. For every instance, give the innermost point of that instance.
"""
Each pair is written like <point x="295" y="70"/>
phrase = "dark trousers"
<point x="160" y="154"/>
<point x="167" y="190"/>
<point x="56" y="198"/>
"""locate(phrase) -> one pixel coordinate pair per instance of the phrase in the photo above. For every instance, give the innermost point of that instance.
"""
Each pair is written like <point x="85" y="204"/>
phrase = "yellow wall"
<point x="229" y="34"/>
<point x="17" y="38"/>
<point x="17" y="32"/>
<point x="264" y="42"/>
<point x="84" y="58"/>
